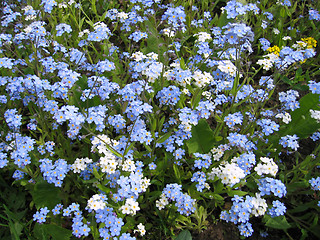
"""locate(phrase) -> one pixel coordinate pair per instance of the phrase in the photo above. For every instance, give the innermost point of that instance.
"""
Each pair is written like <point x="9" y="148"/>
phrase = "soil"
<point x="219" y="231"/>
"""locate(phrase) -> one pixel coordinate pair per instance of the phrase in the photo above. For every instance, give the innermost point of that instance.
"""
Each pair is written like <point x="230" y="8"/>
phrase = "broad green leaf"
<point x="302" y="124"/>
<point x="184" y="235"/>
<point x="46" y="195"/>
<point x="45" y="231"/>
<point x="276" y="222"/>
<point x="202" y="139"/>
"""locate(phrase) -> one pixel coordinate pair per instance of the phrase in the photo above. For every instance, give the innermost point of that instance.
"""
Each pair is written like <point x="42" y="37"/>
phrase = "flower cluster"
<point x="173" y="192"/>
<point x="154" y="100"/>
<point x="54" y="173"/>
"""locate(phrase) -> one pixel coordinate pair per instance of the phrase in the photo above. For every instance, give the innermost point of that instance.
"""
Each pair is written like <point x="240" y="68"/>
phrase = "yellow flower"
<point x="310" y="41"/>
<point x="275" y="50"/>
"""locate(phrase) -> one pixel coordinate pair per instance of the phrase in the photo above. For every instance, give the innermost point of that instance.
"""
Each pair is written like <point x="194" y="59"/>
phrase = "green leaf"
<point x="154" y="42"/>
<point x="96" y="174"/>
<point x="315" y="230"/>
<point x="15" y="229"/>
<point x="43" y="231"/>
<point x="302" y="124"/>
<point x="214" y="196"/>
<point x="182" y="64"/>
<point x="104" y="188"/>
<point x="276" y="222"/>
<point x="184" y="235"/>
<point x="202" y="139"/>
<point x="237" y="192"/>
<point x="196" y="98"/>
<point x="46" y="195"/>
<point x="164" y="137"/>
<point x="16" y="216"/>
<point x="177" y="173"/>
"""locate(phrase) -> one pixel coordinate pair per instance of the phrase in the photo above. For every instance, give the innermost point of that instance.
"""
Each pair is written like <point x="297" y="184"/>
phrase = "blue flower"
<point x="152" y="166"/>
<point x="290" y="141"/>
<point x="100" y="33"/>
<point x="269" y="185"/>
<point x="239" y="140"/>
<point x="246" y="162"/>
<point x="105" y="65"/>
<point x="40" y="216"/>
<point x="176" y="17"/>
<point x="138" y="35"/>
<point x="3" y="160"/>
<point x="62" y="28"/>
<point x="289" y="99"/>
<point x="315" y="183"/>
<point x="314" y="87"/>
<point x="54" y="173"/>
<point x="199" y="177"/>
<point x="278" y="209"/>
<point x="56" y="210"/>
<point x="245" y="229"/>
<point x="18" y="175"/>
<point x="314" y="15"/>
<point x="12" y="118"/>
<point x="233" y="118"/>
<point x="265" y="43"/>
<point x="268" y="126"/>
<point x="6" y="62"/>
<point x="169" y="95"/>
<point x="286" y="3"/>
<point x="48" y="5"/>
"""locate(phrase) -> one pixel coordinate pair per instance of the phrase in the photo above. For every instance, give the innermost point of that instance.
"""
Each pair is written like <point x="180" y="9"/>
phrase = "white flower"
<point x="259" y="205"/>
<point x="162" y="202"/>
<point x="286" y="38"/>
<point x="123" y="15"/>
<point x="145" y="183"/>
<point x="108" y="163"/>
<point x="286" y="117"/>
<point x="268" y="61"/>
<point x="82" y="33"/>
<point x="80" y="164"/>
<point x="268" y="166"/>
<point x="186" y="91"/>
<point x="96" y="202"/>
<point x="230" y="174"/>
<point x="27" y="8"/>
<point x="101" y="25"/>
<point x="141" y="229"/>
<point x="217" y="153"/>
<point x="202" y="79"/>
<point x="227" y="66"/>
<point x="168" y="32"/>
<point x="315" y="114"/>
<point x="130" y="207"/>
<point x="153" y="56"/>
<point x="138" y="56"/>
<point x="62" y="5"/>
<point x="128" y="166"/>
<point x="276" y="31"/>
<point x="203" y="36"/>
